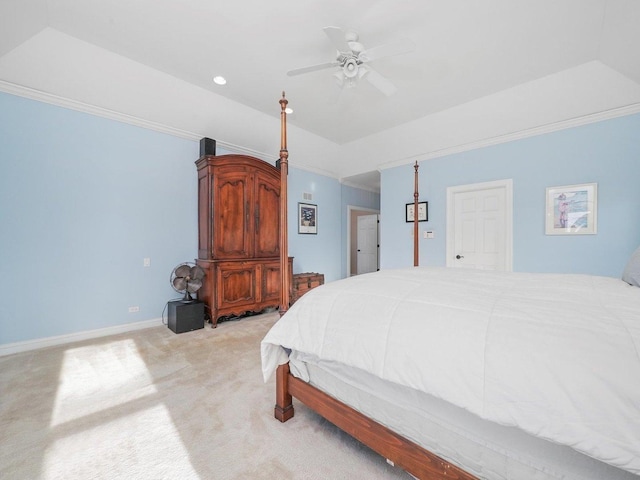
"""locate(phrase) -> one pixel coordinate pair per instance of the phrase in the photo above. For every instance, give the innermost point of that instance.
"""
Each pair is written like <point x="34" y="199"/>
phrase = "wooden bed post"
<point x="283" y="410"/>
<point x="284" y="245"/>
<point x="415" y="217"/>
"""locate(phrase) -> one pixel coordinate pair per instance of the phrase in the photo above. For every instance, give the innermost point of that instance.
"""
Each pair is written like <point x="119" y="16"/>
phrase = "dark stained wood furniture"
<point x="303" y="282"/>
<point x="283" y="165"/>
<point x="238" y="234"/>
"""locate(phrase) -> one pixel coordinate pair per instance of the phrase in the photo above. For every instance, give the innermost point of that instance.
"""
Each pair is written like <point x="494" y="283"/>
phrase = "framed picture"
<point x="423" y="212"/>
<point x="307" y="218"/>
<point x="572" y="210"/>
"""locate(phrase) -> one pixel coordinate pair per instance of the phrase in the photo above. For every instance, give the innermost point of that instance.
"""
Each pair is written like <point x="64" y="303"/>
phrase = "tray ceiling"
<point x="478" y="70"/>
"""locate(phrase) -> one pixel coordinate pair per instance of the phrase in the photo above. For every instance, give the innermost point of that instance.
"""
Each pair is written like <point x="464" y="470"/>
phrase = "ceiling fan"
<point x="352" y="57"/>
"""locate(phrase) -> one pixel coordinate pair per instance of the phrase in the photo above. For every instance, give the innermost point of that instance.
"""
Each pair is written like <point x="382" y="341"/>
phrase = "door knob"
<point x="459" y="256"/>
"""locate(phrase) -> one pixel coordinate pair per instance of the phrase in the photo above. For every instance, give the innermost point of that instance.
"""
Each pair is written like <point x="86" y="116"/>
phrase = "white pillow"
<point x="631" y="273"/>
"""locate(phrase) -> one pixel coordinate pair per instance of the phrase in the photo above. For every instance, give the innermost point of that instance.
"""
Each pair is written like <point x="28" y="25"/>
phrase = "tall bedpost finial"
<point x="284" y="246"/>
<point x="415" y="217"/>
<point x="284" y="154"/>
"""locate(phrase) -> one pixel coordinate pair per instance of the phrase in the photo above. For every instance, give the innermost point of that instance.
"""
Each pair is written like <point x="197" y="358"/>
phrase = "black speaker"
<point x="207" y="146"/>
<point x="186" y="316"/>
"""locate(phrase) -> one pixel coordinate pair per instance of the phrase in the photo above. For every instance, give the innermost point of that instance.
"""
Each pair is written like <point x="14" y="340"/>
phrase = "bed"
<point x="455" y="373"/>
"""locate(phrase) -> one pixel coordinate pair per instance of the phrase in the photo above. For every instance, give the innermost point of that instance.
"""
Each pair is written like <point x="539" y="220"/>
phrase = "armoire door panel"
<point x="270" y="282"/>
<point x="231" y="210"/>
<point x="204" y="211"/>
<point x="267" y="217"/>
<point x="236" y="284"/>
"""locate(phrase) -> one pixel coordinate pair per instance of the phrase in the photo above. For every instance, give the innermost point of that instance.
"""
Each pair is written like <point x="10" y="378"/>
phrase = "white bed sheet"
<point x="553" y="355"/>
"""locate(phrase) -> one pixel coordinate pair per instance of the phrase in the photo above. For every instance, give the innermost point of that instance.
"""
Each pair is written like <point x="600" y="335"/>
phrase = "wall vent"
<point x="307" y="196"/>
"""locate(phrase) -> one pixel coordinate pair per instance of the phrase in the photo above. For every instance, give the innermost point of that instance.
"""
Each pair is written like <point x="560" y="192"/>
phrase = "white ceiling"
<point x="481" y="71"/>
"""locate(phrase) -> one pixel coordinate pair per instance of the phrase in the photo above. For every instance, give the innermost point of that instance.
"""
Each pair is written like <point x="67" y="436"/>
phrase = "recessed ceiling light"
<point x="288" y="111"/>
<point x="219" y="80"/>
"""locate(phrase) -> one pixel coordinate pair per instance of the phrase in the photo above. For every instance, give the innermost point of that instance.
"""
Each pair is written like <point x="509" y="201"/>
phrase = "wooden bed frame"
<point x="396" y="449"/>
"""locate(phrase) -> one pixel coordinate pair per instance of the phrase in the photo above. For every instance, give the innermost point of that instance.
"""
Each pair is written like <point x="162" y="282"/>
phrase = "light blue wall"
<point x="83" y="200"/>
<point x="606" y="152"/>
<point x="321" y="252"/>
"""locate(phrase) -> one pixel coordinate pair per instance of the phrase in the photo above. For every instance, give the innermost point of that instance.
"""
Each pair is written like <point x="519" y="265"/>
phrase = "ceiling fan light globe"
<point x="350" y="68"/>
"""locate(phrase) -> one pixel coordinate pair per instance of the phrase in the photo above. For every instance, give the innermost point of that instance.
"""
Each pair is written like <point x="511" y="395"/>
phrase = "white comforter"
<point x="555" y="355"/>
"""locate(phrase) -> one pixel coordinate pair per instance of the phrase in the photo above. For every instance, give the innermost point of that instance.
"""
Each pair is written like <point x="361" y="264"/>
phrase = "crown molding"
<point x="59" y="101"/>
<point x="510" y="137"/>
<point x="366" y="188"/>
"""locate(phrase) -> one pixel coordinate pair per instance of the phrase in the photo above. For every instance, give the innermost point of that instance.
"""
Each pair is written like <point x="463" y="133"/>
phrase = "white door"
<point x="367" y="244"/>
<point x="479" y="226"/>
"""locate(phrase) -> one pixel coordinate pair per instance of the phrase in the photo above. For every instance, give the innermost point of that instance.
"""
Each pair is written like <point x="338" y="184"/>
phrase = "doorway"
<point x="480" y="226"/>
<point x="363" y="235"/>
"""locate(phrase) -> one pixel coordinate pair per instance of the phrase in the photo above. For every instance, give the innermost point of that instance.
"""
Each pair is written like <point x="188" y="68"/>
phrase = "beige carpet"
<point x="155" y="405"/>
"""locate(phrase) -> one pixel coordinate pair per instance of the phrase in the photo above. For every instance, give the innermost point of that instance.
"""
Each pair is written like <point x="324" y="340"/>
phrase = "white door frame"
<point x="350" y="209"/>
<point x="507" y="184"/>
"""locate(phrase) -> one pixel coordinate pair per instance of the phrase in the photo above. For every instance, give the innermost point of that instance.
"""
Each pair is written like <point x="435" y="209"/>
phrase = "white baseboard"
<point x="17" y="347"/>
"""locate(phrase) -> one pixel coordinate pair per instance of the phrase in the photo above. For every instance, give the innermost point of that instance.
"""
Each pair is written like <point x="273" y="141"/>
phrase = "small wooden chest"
<point x="303" y="282"/>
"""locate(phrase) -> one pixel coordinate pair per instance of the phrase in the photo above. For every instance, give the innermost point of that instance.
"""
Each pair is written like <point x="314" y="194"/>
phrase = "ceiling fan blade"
<point x="380" y="82"/>
<point x="337" y="37"/>
<point x="387" y="50"/>
<point x="312" y="68"/>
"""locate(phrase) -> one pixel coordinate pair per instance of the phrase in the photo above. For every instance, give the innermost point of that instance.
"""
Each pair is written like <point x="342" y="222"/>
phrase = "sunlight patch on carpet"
<point x="100" y="377"/>
<point x="145" y="444"/>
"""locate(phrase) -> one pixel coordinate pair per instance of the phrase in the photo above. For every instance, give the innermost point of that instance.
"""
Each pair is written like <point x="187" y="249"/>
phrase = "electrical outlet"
<point x="146" y="262"/>
<point x="134" y="309"/>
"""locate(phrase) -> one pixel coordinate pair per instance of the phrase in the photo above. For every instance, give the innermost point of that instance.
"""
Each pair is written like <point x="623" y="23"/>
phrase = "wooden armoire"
<point x="238" y="234"/>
